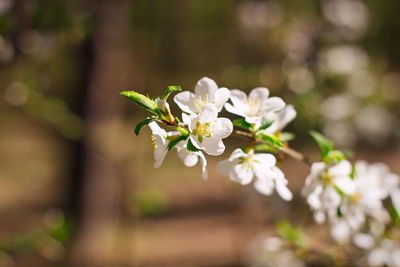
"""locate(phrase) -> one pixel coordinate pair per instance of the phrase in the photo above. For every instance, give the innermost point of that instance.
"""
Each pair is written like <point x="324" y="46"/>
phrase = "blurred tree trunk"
<point x="99" y="207"/>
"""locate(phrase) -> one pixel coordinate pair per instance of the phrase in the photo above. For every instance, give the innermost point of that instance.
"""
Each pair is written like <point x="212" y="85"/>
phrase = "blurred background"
<point x="77" y="188"/>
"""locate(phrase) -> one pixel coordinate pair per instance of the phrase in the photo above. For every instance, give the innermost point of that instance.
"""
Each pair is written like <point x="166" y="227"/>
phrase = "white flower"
<point x="386" y="254"/>
<point x="206" y="92"/>
<point x="207" y="130"/>
<point x="244" y="167"/>
<point x="159" y="140"/>
<point x="280" y="119"/>
<point x="254" y="107"/>
<point x="322" y="185"/>
<point x="191" y="158"/>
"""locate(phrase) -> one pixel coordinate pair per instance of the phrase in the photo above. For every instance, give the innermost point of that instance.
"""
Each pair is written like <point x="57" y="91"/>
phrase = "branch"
<point x="287" y="150"/>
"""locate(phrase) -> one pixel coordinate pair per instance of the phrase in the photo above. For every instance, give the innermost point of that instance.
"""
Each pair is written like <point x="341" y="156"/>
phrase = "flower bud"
<point x="141" y="100"/>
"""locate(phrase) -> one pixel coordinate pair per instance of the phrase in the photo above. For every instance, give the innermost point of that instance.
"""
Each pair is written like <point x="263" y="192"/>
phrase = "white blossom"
<point x="159" y="141"/>
<point x="254" y="107"/>
<point x="244" y="167"/>
<point x="387" y="253"/>
<point x="322" y="185"/>
<point x="191" y="158"/>
<point x="205" y="92"/>
<point x="280" y="119"/>
<point x="207" y="130"/>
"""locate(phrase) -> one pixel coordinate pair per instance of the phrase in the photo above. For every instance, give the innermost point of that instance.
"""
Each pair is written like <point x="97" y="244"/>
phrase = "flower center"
<point x="200" y="101"/>
<point x="203" y="129"/>
<point x="254" y="106"/>
<point x="247" y="161"/>
<point x="355" y="197"/>
<point x="153" y="142"/>
<point x="327" y="179"/>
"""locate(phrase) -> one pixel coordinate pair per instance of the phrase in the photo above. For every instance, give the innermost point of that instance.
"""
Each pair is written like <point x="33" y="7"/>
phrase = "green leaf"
<point x="271" y="139"/>
<point x="191" y="147"/>
<point x="242" y="123"/>
<point x="265" y="124"/>
<point x="334" y="156"/>
<point x="291" y="233"/>
<point x="339" y="212"/>
<point x="264" y="147"/>
<point x="141" y="100"/>
<point x="323" y="142"/>
<point x="170" y="89"/>
<point x="140" y="125"/>
<point x="175" y="141"/>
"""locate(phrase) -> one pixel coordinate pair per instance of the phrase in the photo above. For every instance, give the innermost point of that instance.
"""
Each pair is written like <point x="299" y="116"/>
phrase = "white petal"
<point x="237" y="153"/>
<point x="213" y="146"/>
<point x="239" y="100"/>
<point x="187" y="118"/>
<point x="234" y="110"/>
<point x="223" y="127"/>
<point x="185" y="101"/>
<point x="203" y="162"/>
<point x="189" y="158"/>
<point x="319" y="217"/>
<point x="155" y="129"/>
<point x="209" y="113"/>
<point x="221" y="96"/>
<point x="259" y="93"/>
<point x="346" y="184"/>
<point x="226" y="166"/>
<point x="206" y="87"/>
<point x="266" y="159"/>
<point x="363" y="241"/>
<point x="264" y="186"/>
<point x="378" y="257"/>
<point x="283" y="190"/>
<point x="340" y="231"/>
<point x="285" y="116"/>
<point x="314" y="198"/>
<point x="343" y="168"/>
<point x="242" y="174"/>
<point x="160" y="150"/>
<point x="273" y="104"/>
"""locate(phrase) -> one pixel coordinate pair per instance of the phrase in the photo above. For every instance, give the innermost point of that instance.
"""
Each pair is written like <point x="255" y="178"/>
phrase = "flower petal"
<point x="223" y="127"/>
<point x="346" y="184"/>
<point x="189" y="158"/>
<point x="221" y="96"/>
<point x="234" y="110"/>
<point x="273" y="104"/>
<point x="264" y="186"/>
<point x="206" y="88"/>
<point x="343" y="168"/>
<point x="203" y="162"/>
<point x="213" y="146"/>
<point x="209" y="113"/>
<point x="283" y="190"/>
<point x="242" y="174"/>
<point x="185" y="101"/>
<point x="226" y="166"/>
<point x="259" y="93"/>
<point x="239" y="100"/>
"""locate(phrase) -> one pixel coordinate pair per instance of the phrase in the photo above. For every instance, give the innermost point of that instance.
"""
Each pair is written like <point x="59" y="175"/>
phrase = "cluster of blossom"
<point x="349" y="196"/>
<point x="206" y="131"/>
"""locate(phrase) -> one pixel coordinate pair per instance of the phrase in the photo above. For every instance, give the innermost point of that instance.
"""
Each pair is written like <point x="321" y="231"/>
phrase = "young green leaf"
<point x="265" y="124"/>
<point x="286" y="136"/>
<point x="242" y="123"/>
<point x="175" y="141"/>
<point x="271" y="139"/>
<point x="191" y="147"/>
<point x="171" y="89"/>
<point x="323" y="142"/>
<point x="141" y="100"/>
<point x="140" y="125"/>
<point x="291" y="233"/>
